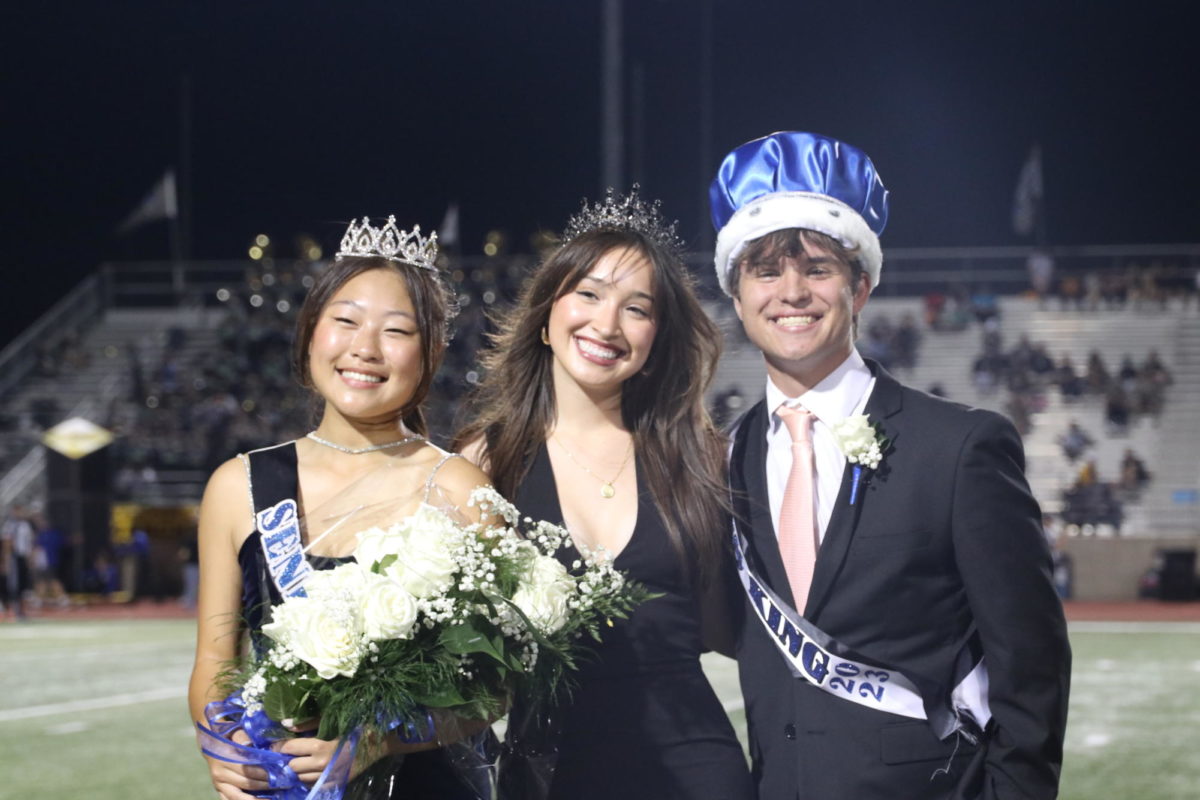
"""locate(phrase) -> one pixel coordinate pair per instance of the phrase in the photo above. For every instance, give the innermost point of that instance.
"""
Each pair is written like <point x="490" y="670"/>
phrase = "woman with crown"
<point x="369" y="339"/>
<point x="592" y="414"/>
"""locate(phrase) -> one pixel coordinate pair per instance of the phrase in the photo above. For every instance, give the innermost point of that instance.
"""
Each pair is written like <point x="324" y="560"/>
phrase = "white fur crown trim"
<point x="817" y="212"/>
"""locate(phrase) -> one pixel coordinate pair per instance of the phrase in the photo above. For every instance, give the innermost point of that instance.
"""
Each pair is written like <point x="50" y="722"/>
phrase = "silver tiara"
<point x="624" y="213"/>
<point x="391" y="243"/>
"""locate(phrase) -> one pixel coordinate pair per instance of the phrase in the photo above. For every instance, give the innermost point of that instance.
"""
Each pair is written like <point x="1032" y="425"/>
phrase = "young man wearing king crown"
<point x="901" y="637"/>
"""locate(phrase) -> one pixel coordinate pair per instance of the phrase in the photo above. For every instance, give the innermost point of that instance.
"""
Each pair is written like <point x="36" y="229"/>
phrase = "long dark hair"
<point x="682" y="453"/>
<point x="431" y="302"/>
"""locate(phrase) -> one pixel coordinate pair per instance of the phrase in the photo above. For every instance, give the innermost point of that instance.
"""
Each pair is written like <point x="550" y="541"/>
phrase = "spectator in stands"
<point x="1092" y="290"/>
<point x="1040" y="362"/>
<point x="1074" y="441"/>
<point x="1117" y="409"/>
<point x="16" y="551"/>
<point x="1091" y="502"/>
<point x="1134" y="474"/>
<point x="48" y="562"/>
<point x="1114" y="289"/>
<point x="189" y="558"/>
<point x="906" y="341"/>
<point x="1068" y="380"/>
<point x="1097" y="376"/>
<point x="102" y="577"/>
<point x="1087" y="474"/>
<point x="1153" y="378"/>
<point x="984" y="305"/>
<point x="946" y="313"/>
<point x="1019" y="409"/>
<point x="1070" y="292"/>
<point x="1127" y="374"/>
<point x="877" y="344"/>
<point x="1041" y="274"/>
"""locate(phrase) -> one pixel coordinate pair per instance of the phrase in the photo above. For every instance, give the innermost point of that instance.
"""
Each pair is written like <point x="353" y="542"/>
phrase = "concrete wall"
<point x="1108" y="569"/>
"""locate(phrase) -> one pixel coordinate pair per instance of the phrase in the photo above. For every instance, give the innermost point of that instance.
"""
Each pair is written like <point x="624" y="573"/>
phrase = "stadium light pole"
<point x="611" y="124"/>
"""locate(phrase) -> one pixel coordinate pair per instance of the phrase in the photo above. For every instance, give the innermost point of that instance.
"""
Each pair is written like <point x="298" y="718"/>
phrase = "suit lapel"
<point x="884" y="402"/>
<point x="748" y="478"/>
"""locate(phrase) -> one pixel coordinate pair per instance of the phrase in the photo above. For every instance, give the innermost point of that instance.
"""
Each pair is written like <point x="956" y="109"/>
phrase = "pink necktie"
<point x="797" y="533"/>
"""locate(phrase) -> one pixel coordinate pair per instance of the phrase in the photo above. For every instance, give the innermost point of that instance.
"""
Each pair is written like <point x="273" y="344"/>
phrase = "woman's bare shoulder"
<point x="476" y="452"/>
<point x="461" y="475"/>
<point x="227" y="495"/>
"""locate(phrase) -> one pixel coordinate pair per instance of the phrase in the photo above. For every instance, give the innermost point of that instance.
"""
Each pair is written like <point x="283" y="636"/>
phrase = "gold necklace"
<point x="607" y="491"/>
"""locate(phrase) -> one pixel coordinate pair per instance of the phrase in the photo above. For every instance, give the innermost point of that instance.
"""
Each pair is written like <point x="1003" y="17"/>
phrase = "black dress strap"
<point x="272" y="475"/>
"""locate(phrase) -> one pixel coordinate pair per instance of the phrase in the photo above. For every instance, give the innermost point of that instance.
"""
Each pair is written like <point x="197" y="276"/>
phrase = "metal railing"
<point x="908" y="271"/>
<point x="82" y="306"/>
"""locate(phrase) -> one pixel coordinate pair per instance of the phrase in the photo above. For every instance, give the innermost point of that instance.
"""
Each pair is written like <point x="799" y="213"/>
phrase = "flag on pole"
<point x="1027" y="201"/>
<point x="160" y="203"/>
<point x="448" y="230"/>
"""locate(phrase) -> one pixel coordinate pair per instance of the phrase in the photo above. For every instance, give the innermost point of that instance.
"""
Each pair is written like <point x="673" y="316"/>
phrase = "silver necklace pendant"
<point x="355" y="451"/>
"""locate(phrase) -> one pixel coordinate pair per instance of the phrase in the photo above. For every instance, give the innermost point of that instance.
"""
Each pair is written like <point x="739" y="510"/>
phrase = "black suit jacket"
<point x="943" y="543"/>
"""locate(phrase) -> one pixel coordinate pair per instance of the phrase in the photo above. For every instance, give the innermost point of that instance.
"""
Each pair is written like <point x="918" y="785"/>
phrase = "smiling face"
<point x="364" y="356"/>
<point x="799" y="309"/>
<point x="601" y="330"/>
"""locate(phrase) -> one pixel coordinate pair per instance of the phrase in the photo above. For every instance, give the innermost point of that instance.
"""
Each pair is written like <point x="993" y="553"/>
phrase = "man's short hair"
<point x="789" y="243"/>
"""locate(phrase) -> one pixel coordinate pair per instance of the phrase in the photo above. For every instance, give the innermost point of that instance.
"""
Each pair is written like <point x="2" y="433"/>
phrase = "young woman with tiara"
<point x="369" y="339"/>
<point x="591" y="413"/>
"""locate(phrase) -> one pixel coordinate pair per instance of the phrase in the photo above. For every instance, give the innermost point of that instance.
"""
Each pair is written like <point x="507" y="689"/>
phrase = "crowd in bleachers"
<point x="894" y="345"/>
<point x="1137" y="285"/>
<point x="1028" y="372"/>
<point x="193" y="406"/>
<point x="197" y="406"/>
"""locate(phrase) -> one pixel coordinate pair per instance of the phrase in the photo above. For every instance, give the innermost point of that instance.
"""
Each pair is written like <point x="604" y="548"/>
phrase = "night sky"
<point x="308" y="113"/>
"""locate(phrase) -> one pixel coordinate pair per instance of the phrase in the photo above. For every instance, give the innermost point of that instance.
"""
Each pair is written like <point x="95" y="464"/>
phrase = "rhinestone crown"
<point x="624" y="212"/>
<point x="391" y="243"/>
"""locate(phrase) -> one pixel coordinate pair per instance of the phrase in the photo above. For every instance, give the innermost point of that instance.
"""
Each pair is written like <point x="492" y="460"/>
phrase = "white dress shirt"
<point x="842" y="393"/>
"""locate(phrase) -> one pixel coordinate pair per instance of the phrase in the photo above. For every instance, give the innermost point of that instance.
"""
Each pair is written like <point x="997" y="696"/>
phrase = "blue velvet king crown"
<point x="798" y="180"/>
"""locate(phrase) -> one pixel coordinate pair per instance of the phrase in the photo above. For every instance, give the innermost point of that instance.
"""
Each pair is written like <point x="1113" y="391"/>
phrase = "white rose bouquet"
<point x="433" y="614"/>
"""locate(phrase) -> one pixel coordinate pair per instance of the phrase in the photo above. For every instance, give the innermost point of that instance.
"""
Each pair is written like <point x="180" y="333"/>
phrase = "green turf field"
<point x="97" y="711"/>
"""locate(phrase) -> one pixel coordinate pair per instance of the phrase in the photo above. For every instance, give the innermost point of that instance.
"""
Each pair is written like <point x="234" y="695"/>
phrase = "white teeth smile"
<point x="361" y="376"/>
<point x="596" y="350"/>
<point x="791" y="321"/>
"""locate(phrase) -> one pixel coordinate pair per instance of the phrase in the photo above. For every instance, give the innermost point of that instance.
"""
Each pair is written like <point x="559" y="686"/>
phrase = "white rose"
<point x="286" y="618"/>
<point x="343" y="584"/>
<point x="376" y="543"/>
<point x="325" y="636"/>
<point x="857" y="438"/>
<point x="544" y="593"/>
<point x="425" y="565"/>
<point x="389" y="612"/>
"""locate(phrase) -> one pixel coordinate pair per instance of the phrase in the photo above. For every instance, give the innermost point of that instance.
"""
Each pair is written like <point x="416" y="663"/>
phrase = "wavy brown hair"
<point x="682" y="453"/>
<point x="431" y="302"/>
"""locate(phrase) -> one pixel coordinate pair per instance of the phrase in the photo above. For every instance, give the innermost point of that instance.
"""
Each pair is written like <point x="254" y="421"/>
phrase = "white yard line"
<point x="49" y="632"/>
<point x="1133" y="627"/>
<point x="93" y="653"/>
<point x="95" y="703"/>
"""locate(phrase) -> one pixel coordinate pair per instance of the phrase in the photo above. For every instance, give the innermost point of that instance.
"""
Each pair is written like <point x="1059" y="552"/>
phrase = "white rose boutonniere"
<point x="859" y="440"/>
<point x="861" y="443"/>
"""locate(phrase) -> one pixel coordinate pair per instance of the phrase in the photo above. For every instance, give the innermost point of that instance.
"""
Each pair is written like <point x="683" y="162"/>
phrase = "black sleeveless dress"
<point x="426" y="775"/>
<point x="643" y="721"/>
